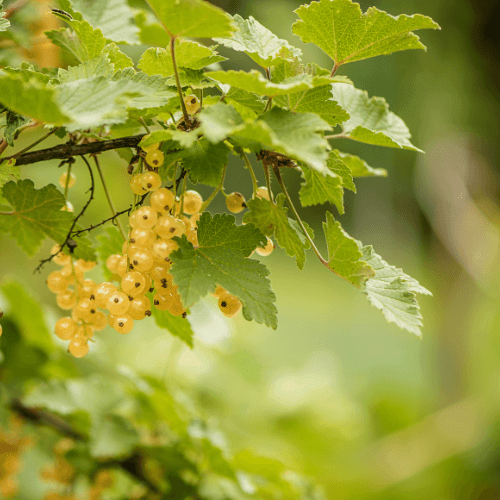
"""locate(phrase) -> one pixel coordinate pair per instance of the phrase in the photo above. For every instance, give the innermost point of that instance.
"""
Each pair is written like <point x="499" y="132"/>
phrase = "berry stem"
<point x="299" y="220"/>
<point x="216" y="190"/>
<point x="250" y="169"/>
<point x="108" y="197"/>
<point x="177" y="80"/>
<point x="268" y="181"/>
<point x="143" y="123"/>
<point x="68" y="177"/>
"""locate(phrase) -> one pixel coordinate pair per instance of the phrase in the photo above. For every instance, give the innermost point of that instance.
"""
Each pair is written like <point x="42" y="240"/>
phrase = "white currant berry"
<point x="64" y="179"/>
<point x="151" y="147"/>
<point x="118" y="303"/>
<point x="162" y="200"/>
<point x="139" y="308"/>
<point x="134" y="283"/>
<point x="112" y="262"/>
<point x="141" y="260"/>
<point x="57" y="282"/>
<point x="59" y="258"/>
<point x="154" y="158"/>
<point x="78" y="348"/>
<point x="235" y="203"/>
<point x="136" y="185"/>
<point x="142" y="237"/>
<point x="192" y="202"/>
<point x="267" y="250"/>
<point x="66" y="300"/>
<point x="123" y="323"/>
<point x="229" y="305"/>
<point x="65" y="328"/>
<point x="146" y="217"/>
<point x="262" y="192"/>
<point x="168" y="227"/>
<point x="102" y="293"/>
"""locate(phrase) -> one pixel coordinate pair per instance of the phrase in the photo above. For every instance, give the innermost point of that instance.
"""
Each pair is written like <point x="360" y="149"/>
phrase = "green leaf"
<point x="101" y="66"/>
<point x="370" y="119"/>
<point x="4" y="23"/>
<point x="343" y="32"/>
<point x="256" y="82"/>
<point x="291" y="134"/>
<point x="272" y="219"/>
<point x="204" y="161"/>
<point x="114" y="18"/>
<point x="27" y="313"/>
<point x="256" y="41"/>
<point x="344" y="255"/>
<point x="151" y="33"/>
<point x="393" y="292"/>
<point x="8" y="171"/>
<point x="176" y="325"/>
<point x="320" y="188"/>
<point x="26" y="72"/>
<point x="110" y="243"/>
<point x="112" y="436"/>
<point x="13" y="122"/>
<point x="188" y="54"/>
<point x="220" y="259"/>
<point x="192" y="18"/>
<point x="246" y="103"/>
<point x="219" y="121"/>
<point x="358" y="167"/>
<point x="337" y="165"/>
<point x="31" y="98"/>
<point x="36" y="214"/>
<point x="117" y="57"/>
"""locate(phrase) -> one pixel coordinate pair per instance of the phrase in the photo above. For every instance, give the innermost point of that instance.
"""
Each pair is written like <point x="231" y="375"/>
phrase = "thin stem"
<point x="250" y="169"/>
<point x="3" y="146"/>
<point x="143" y="123"/>
<point x="177" y="80"/>
<point x="337" y="136"/>
<point x="268" y="181"/>
<point x="299" y="220"/>
<point x="183" y="192"/>
<point x="108" y="197"/>
<point x="269" y="104"/>
<point x="68" y="177"/>
<point x="334" y="70"/>
<point x="31" y="146"/>
<point x="215" y="191"/>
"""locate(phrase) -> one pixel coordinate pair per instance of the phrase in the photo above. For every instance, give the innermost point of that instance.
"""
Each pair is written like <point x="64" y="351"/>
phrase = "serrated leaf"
<point x="117" y="57"/>
<point x="337" y="165"/>
<point x="151" y="33"/>
<point x="256" y="82"/>
<point x="188" y="54"/>
<point x="243" y="100"/>
<point x="393" y="292"/>
<point x="358" y="167"/>
<point x="31" y="98"/>
<point x="204" y="161"/>
<point x="219" y="121"/>
<point x="192" y="18"/>
<point x="220" y="259"/>
<point x="27" y="313"/>
<point x="13" y="122"/>
<point x="114" y="18"/>
<point x="176" y="325"/>
<point x="8" y="171"/>
<point x="343" y="32"/>
<point x="291" y="134"/>
<point x="184" y="139"/>
<point x="272" y="219"/>
<point x="255" y="40"/>
<point x="26" y="72"/>
<point x="320" y="188"/>
<point x="110" y="243"/>
<point x="36" y="214"/>
<point x="4" y="23"/>
<point x="112" y="436"/>
<point x="101" y="66"/>
<point x="344" y="256"/>
<point x="370" y="119"/>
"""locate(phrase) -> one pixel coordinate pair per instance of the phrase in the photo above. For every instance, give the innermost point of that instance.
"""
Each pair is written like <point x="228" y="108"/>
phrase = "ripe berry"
<point x="121" y="267"/>
<point x="162" y="200"/>
<point x="136" y="185"/>
<point x="65" y="328"/>
<point x="168" y="227"/>
<point x="133" y="283"/>
<point x="267" y="250"/>
<point x="68" y="207"/>
<point x="159" y="271"/>
<point x="118" y="303"/>
<point x="123" y="323"/>
<point x="262" y="192"/>
<point x="154" y="158"/>
<point x="99" y="321"/>
<point x="57" y="282"/>
<point x="229" y="305"/>
<point x="86" y="288"/>
<point x="235" y="203"/>
<point x="78" y="348"/>
<point x="66" y="300"/>
<point x="192" y="104"/>
<point x="192" y="202"/>
<point x="142" y="260"/>
<point x="142" y="237"/>
<point x="151" y="147"/>
<point x="102" y="293"/>
<point x="61" y="258"/>
<point x="112" y="262"/>
<point x="218" y="291"/>
<point x="85" y="265"/>
<point x="64" y="178"/>
<point x="139" y="307"/>
<point x="146" y="217"/>
<point x="162" y="248"/>
<point x="86" y="309"/>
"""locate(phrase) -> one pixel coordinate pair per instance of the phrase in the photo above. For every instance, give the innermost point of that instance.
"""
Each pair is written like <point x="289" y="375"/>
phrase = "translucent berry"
<point x="85" y="265"/>
<point x="267" y="250"/>
<point x="61" y="258"/>
<point x="139" y="307"/>
<point x="68" y="207"/>
<point x="229" y="305"/>
<point x="159" y="271"/>
<point x="66" y="300"/>
<point x="165" y="286"/>
<point x="235" y="203"/>
<point x="86" y="309"/>
<point x="118" y="303"/>
<point x="162" y="200"/>
<point x="162" y="302"/>
<point x="133" y="220"/>
<point x="65" y="328"/>
<point x="218" y="291"/>
<point x="154" y="158"/>
<point x="194" y="220"/>
<point x="262" y="192"/>
<point x="122" y="266"/>
<point x="151" y="147"/>
<point x="162" y="248"/>
<point x="100" y="321"/>
<point x="102" y="293"/>
<point x="123" y="323"/>
<point x="86" y="288"/>
<point x="168" y="227"/>
<point x="57" y="282"/>
<point x="112" y="262"/>
<point x="192" y="236"/>
<point x="192" y="202"/>
<point x="142" y="237"/>
<point x="176" y="308"/>
<point x="78" y="348"/>
<point x="64" y="179"/>
<point x="192" y="104"/>
<point x="142" y="260"/>
<point x="146" y="217"/>
<point x="134" y="283"/>
<point x="136" y="185"/>
<point x="84" y="332"/>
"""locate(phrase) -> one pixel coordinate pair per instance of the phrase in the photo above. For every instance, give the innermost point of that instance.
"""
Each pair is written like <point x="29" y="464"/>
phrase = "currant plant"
<point x="173" y="116"/>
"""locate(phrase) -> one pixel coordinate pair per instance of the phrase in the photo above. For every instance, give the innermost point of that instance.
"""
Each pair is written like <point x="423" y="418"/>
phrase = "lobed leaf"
<point x="221" y="259"/>
<point x="342" y="31"/>
<point x="192" y="18"/>
<point x="176" y="325"/>
<point x="7" y="172"/>
<point x="358" y="167"/>
<point x="370" y="119"/>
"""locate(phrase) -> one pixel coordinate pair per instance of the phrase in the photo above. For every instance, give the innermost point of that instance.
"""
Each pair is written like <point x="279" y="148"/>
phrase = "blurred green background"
<point x="337" y="393"/>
